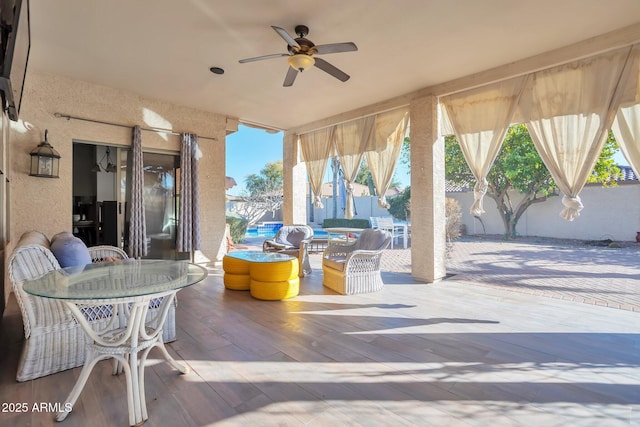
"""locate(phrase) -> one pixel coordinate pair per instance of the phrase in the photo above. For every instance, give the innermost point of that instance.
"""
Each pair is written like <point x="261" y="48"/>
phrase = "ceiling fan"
<point x="301" y="51"/>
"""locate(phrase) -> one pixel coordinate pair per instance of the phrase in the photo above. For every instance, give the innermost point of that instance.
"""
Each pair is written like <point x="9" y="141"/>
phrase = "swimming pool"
<point x="255" y="232"/>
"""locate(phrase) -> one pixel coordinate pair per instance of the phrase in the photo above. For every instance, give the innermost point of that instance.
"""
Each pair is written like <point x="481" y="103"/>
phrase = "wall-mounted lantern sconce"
<point x="45" y="161"/>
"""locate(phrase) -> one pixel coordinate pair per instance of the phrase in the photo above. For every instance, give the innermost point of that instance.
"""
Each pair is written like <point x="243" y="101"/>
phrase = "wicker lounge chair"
<point x="292" y="240"/>
<point x="354" y="268"/>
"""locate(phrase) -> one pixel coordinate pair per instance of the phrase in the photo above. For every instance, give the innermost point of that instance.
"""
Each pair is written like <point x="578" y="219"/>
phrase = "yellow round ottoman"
<point x="233" y="265"/>
<point x="237" y="282"/>
<point x="236" y="273"/>
<point x="273" y="291"/>
<point x="273" y="281"/>
<point x="274" y="271"/>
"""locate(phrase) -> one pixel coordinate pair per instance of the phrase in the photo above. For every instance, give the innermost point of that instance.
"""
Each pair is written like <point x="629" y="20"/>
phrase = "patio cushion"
<point x="69" y="250"/>
<point x="34" y="238"/>
<point x="371" y="240"/>
<point x="335" y="262"/>
<point x="295" y="237"/>
<point x="292" y="235"/>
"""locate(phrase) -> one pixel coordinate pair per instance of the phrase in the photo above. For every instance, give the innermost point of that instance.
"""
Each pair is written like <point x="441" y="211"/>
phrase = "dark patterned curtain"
<point x="137" y="225"/>
<point x="189" y="215"/>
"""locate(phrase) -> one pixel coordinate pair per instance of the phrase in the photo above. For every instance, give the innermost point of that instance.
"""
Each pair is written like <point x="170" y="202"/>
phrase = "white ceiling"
<point x="164" y="48"/>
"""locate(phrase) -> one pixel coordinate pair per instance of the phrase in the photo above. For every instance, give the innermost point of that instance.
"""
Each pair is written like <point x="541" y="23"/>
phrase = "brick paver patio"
<point x="565" y="269"/>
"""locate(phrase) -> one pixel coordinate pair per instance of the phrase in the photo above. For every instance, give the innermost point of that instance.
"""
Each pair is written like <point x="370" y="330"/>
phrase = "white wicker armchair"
<point x="354" y="268"/>
<point x="54" y="341"/>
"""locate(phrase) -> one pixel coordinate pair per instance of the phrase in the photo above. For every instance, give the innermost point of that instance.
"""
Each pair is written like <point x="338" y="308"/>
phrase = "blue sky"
<point x="249" y="150"/>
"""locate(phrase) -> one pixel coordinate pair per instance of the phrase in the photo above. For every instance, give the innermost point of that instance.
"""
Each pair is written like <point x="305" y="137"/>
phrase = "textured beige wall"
<point x="46" y="204"/>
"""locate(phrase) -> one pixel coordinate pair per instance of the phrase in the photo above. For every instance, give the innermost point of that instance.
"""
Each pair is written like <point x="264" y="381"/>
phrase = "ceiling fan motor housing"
<point x="306" y="47"/>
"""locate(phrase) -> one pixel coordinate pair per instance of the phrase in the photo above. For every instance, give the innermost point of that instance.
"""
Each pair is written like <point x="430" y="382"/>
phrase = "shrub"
<point x="453" y="215"/>
<point x="400" y="206"/>
<point x="343" y="222"/>
<point x="238" y="226"/>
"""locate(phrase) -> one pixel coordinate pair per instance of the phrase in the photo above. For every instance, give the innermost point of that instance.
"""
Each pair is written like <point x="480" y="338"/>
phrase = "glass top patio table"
<point x="124" y="279"/>
<point x="128" y="286"/>
<point x="258" y="256"/>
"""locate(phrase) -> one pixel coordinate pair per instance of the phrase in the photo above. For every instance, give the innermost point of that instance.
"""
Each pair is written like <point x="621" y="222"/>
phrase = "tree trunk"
<point x="511" y="229"/>
<point x="311" y="205"/>
<point x="335" y="168"/>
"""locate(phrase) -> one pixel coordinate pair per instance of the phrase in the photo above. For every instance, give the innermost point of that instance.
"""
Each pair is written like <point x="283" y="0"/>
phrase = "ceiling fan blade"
<point x="260" y="58"/>
<point x="290" y="40"/>
<point x="336" y="48"/>
<point x="328" y="68"/>
<point x="290" y="77"/>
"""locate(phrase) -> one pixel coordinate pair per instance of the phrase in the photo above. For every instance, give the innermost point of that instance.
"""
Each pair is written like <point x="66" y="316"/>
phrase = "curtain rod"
<point x="157" y="130"/>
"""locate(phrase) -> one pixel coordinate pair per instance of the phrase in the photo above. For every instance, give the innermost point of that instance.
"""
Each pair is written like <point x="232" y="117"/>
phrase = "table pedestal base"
<point x="124" y="346"/>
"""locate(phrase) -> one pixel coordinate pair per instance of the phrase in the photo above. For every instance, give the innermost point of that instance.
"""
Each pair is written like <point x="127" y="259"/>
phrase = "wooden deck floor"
<point x="446" y="354"/>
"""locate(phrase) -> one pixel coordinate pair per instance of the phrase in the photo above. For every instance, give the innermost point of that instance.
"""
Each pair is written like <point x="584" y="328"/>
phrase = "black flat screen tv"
<point x="14" y="53"/>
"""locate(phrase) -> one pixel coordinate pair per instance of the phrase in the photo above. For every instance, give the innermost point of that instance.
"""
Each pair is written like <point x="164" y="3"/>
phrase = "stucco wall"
<point x="609" y="213"/>
<point x="46" y="204"/>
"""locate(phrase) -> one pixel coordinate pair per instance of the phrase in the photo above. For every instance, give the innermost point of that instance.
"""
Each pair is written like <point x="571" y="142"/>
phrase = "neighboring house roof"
<point x="358" y="190"/>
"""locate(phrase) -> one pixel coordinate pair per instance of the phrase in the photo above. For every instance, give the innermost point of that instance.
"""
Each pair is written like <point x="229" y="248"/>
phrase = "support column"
<point x="294" y="175"/>
<point x="428" y="236"/>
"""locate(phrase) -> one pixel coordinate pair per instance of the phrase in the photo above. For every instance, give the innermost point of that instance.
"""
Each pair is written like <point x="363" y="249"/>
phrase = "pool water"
<point x="254" y="232"/>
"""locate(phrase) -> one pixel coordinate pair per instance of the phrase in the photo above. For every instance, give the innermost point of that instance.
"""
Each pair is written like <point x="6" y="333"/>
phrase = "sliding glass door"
<point x="160" y="203"/>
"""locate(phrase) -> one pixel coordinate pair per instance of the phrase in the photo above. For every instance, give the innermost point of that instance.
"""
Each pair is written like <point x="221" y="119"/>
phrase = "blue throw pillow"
<point x="69" y="250"/>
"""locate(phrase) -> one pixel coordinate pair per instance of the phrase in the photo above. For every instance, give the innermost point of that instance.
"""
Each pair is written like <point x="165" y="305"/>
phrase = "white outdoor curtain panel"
<point x="569" y="110"/>
<point x="382" y="157"/>
<point x="351" y="140"/>
<point x="479" y="119"/>
<point x="317" y="147"/>
<point x="626" y="125"/>
<point x="188" y="235"/>
<point x="137" y="225"/>
<point x="626" y="128"/>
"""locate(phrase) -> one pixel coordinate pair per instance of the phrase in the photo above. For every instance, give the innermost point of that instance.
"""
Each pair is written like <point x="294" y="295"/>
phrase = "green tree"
<point x="405" y="153"/>
<point x="519" y="167"/>
<point x="400" y="206"/>
<point x="264" y="193"/>
<point x="364" y="177"/>
<point x="268" y="181"/>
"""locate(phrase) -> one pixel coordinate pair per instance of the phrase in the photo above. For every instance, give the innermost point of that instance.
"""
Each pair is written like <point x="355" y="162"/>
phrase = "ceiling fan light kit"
<point x="301" y="51"/>
<point x="301" y="62"/>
